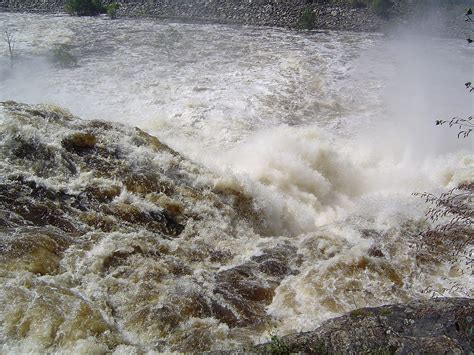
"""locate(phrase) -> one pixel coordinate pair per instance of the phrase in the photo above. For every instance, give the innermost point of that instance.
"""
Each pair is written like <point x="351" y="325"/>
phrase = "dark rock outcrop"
<point x="434" y="326"/>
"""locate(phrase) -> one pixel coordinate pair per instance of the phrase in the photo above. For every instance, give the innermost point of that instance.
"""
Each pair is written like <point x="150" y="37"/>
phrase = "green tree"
<point x="307" y="20"/>
<point x="112" y="9"/>
<point x="85" y="7"/>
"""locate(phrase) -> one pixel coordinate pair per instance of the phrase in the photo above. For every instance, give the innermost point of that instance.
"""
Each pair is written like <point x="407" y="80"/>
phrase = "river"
<point x="327" y="134"/>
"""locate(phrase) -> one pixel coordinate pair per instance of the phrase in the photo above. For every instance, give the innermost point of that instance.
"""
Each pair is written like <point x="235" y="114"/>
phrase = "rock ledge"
<point x="434" y="326"/>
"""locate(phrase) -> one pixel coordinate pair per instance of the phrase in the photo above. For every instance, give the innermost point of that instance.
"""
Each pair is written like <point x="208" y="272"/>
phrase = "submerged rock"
<point x="79" y="142"/>
<point x="111" y="241"/>
<point x="109" y="221"/>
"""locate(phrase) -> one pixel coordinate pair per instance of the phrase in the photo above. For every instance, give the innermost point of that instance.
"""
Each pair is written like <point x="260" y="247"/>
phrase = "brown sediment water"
<point x="267" y="188"/>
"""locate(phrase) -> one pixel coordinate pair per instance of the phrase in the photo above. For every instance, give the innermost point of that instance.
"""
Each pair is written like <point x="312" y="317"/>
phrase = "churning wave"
<point x="110" y="240"/>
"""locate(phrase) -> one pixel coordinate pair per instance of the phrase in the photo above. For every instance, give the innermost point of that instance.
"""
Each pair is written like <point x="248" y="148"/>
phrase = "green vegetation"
<point x="112" y="9"/>
<point x="361" y="312"/>
<point x="61" y="56"/>
<point x="276" y="346"/>
<point x="307" y="20"/>
<point x="385" y="311"/>
<point x="85" y="7"/>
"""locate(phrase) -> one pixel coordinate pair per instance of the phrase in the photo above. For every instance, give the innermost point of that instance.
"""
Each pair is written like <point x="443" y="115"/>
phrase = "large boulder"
<point x="433" y="326"/>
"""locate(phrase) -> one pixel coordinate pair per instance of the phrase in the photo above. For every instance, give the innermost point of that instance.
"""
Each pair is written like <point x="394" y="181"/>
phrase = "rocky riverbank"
<point x="425" y="16"/>
<point x="335" y="15"/>
<point x="262" y="12"/>
<point x="325" y="14"/>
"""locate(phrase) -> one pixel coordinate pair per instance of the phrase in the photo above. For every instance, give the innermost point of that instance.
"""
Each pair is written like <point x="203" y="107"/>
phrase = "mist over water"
<point x="328" y="134"/>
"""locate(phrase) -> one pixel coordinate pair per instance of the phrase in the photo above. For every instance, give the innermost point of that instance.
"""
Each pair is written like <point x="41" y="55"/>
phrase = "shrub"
<point x="112" y="9"/>
<point x="452" y="216"/>
<point x="276" y="346"/>
<point x="84" y="7"/>
<point x="307" y="20"/>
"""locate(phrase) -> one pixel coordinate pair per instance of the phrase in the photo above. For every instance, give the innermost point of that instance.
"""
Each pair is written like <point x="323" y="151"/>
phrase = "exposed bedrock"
<point x="433" y="326"/>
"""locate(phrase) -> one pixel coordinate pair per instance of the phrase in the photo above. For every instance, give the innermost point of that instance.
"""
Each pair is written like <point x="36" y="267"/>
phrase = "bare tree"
<point x="450" y="236"/>
<point x="465" y="125"/>
<point x="9" y="38"/>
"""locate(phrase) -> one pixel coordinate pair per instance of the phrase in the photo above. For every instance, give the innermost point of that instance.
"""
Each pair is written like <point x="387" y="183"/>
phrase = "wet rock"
<point x="40" y="313"/>
<point x="105" y="204"/>
<point x="370" y="234"/>
<point x="146" y="182"/>
<point x="171" y="206"/>
<point x="102" y="163"/>
<point x="434" y="326"/>
<point x="275" y="261"/>
<point x="151" y="220"/>
<point x="248" y="288"/>
<point x="245" y="294"/>
<point x="119" y="257"/>
<point x="241" y="280"/>
<point x="79" y="142"/>
<point x="30" y="148"/>
<point x="33" y="249"/>
<point x="245" y="204"/>
<point x="34" y="204"/>
<point x="220" y="256"/>
<point x="103" y="193"/>
<point x="98" y="221"/>
<point x="376" y="252"/>
<point x="154" y="143"/>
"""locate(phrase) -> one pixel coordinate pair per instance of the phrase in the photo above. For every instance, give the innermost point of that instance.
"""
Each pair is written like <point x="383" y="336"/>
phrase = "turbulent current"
<point x="186" y="187"/>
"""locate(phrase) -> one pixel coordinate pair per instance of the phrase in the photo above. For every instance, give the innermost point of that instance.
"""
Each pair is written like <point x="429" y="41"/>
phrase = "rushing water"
<point x="300" y="152"/>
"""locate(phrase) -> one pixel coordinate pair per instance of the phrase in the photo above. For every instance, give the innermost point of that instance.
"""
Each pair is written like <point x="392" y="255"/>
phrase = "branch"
<point x="465" y="125"/>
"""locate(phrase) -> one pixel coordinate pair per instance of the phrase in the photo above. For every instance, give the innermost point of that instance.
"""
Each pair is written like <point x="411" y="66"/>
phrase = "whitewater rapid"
<point x="328" y="134"/>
